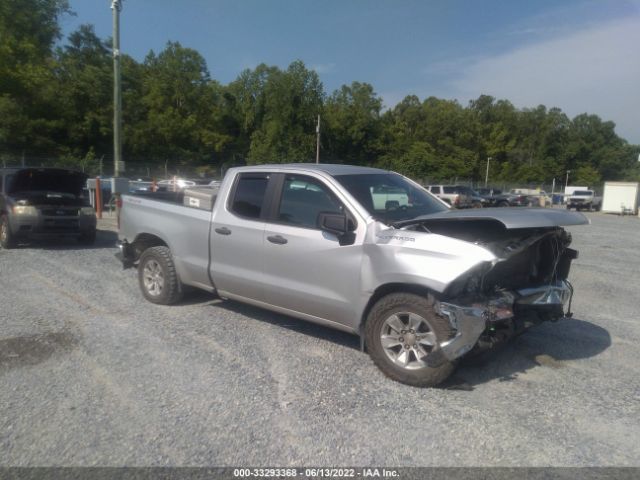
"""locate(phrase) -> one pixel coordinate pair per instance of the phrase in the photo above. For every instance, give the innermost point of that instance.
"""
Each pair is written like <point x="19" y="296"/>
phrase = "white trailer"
<point x="620" y="197"/>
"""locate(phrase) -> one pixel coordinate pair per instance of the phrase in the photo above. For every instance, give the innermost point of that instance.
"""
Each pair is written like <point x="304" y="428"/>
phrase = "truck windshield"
<point x="583" y="192"/>
<point x="389" y="197"/>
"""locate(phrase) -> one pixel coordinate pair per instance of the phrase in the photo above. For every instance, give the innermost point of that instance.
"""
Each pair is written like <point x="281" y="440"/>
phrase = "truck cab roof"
<point x="328" y="168"/>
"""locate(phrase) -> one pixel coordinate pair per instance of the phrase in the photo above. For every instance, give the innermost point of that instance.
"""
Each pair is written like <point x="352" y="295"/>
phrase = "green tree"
<point x="28" y="117"/>
<point x="352" y="124"/>
<point x="177" y="101"/>
<point x="587" y="175"/>
<point x="84" y="79"/>
<point x="292" y="100"/>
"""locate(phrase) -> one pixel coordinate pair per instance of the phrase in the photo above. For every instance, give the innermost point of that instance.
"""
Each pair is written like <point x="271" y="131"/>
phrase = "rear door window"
<point x="249" y="195"/>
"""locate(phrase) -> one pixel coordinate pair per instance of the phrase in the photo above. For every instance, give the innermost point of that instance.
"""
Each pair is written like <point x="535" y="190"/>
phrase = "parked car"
<point x="453" y="195"/>
<point x="176" y="184"/>
<point x="495" y="198"/>
<point x="476" y="200"/>
<point x="421" y="284"/>
<point x="535" y="197"/>
<point x="584" y="200"/>
<point x="38" y="203"/>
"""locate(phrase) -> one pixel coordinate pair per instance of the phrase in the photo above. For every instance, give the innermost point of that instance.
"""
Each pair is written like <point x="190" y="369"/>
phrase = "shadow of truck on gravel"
<point x="290" y="323"/>
<point x="543" y="346"/>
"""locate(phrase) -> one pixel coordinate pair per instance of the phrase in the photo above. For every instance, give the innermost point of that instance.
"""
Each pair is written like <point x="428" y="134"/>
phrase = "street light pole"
<point x="116" y="6"/>
<point x="566" y="181"/>
<point x="486" y="176"/>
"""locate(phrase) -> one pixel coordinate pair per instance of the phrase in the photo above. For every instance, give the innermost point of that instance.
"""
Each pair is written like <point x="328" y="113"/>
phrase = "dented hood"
<point x="510" y="217"/>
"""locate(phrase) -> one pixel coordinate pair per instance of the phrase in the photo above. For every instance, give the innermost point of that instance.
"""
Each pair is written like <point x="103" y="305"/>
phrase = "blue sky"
<point x="579" y="55"/>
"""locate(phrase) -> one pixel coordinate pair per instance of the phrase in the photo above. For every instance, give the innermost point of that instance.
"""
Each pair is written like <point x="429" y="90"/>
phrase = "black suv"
<point x="44" y="203"/>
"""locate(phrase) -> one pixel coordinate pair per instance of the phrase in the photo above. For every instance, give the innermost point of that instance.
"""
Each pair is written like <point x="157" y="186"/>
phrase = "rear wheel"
<point x="503" y="204"/>
<point x="6" y="237"/>
<point x="401" y="332"/>
<point x="157" y="276"/>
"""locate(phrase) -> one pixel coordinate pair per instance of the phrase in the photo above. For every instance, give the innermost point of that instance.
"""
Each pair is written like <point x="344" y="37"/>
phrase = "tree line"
<point x="56" y="102"/>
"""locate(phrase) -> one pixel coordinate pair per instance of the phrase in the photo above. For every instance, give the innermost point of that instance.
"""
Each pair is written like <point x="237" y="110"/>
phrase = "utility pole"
<point x="116" y="6"/>
<point x="486" y="176"/>
<point x="318" y="141"/>
<point x="566" y="182"/>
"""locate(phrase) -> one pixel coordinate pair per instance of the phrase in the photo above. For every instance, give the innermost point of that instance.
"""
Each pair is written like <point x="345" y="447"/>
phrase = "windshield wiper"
<point x="407" y="222"/>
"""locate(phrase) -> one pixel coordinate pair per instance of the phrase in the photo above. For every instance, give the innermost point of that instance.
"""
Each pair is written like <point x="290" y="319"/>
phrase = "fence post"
<point x="98" y="199"/>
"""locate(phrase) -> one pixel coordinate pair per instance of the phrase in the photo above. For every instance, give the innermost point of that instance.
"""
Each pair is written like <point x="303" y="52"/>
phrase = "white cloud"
<point x="323" y="68"/>
<point x="596" y="70"/>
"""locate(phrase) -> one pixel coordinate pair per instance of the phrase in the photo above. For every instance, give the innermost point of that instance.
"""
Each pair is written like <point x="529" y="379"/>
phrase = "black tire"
<point x="7" y="240"/>
<point x="402" y="303"/>
<point x="159" y="259"/>
<point x="87" y="238"/>
<point x="503" y="204"/>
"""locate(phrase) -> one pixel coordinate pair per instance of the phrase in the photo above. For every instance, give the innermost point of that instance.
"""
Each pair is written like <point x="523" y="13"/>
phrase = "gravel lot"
<point x="92" y="374"/>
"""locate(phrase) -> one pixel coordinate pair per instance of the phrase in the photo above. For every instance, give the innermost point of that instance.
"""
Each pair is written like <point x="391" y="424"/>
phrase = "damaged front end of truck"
<point x="524" y="285"/>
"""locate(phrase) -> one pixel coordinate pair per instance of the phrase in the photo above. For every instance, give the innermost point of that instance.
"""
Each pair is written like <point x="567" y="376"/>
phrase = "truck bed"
<point x="185" y="230"/>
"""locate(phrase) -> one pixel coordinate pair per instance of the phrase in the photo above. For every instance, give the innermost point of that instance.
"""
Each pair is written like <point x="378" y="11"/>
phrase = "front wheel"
<point x="157" y="276"/>
<point x="6" y="237"/>
<point x="401" y="332"/>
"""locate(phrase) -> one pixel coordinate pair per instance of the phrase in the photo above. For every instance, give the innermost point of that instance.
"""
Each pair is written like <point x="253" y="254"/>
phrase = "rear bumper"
<point x="125" y="254"/>
<point x="533" y="305"/>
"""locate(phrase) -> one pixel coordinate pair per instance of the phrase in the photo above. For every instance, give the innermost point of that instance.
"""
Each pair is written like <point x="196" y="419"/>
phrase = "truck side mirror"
<point x="335" y="223"/>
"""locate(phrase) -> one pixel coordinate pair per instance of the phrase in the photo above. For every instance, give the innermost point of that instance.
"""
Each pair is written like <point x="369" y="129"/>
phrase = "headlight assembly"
<point x="24" y="210"/>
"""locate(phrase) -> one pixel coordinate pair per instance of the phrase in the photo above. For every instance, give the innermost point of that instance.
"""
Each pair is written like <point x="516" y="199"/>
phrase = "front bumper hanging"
<point x="470" y="321"/>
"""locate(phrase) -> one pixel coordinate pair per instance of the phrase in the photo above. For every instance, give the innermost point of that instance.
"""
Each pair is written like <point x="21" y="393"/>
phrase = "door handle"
<point x="277" y="239"/>
<point x="223" y="231"/>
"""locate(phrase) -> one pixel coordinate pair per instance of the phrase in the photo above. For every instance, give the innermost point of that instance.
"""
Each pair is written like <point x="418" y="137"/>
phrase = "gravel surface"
<point x="92" y="374"/>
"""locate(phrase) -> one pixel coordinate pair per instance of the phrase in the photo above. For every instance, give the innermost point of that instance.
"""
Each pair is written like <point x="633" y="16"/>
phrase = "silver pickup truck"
<point x="421" y="284"/>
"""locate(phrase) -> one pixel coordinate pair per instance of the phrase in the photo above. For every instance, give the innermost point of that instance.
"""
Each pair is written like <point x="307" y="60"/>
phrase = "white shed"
<point x="620" y="197"/>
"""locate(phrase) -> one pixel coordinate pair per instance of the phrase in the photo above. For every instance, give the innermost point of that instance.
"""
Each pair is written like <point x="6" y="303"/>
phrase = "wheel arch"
<point x="143" y="241"/>
<point x="384" y="290"/>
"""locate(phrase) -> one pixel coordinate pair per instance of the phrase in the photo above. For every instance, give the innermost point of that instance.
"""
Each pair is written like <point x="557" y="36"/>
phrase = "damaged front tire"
<point x="402" y="333"/>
